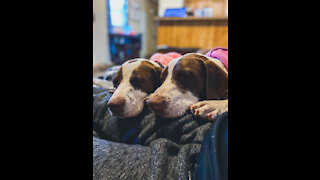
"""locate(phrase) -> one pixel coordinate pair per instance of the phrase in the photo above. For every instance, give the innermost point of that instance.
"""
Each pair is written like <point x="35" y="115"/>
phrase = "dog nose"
<point x="116" y="104"/>
<point x="156" y="102"/>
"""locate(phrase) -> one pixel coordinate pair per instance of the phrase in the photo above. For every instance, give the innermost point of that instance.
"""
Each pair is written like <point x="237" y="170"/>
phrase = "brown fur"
<point x="146" y="77"/>
<point x="217" y="82"/>
<point x="202" y="77"/>
<point x="164" y="74"/>
<point x="117" y="78"/>
<point x="188" y="75"/>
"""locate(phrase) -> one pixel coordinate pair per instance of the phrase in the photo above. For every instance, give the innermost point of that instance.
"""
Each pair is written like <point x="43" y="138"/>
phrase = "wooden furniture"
<point x="219" y="6"/>
<point x="192" y="32"/>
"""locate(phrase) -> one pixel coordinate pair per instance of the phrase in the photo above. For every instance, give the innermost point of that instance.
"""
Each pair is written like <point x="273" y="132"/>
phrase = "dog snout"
<point x="116" y="104"/>
<point x="156" y="102"/>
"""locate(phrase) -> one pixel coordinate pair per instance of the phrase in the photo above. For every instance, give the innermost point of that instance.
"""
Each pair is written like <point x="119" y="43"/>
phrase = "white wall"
<point x="101" y="51"/>
<point x="143" y="24"/>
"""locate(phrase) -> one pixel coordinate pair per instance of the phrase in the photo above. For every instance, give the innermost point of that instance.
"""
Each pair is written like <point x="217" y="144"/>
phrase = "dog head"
<point x="185" y="81"/>
<point x="133" y="82"/>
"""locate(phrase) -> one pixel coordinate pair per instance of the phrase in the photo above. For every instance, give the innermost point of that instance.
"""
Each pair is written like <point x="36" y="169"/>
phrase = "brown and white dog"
<point x="134" y="81"/>
<point x="186" y="80"/>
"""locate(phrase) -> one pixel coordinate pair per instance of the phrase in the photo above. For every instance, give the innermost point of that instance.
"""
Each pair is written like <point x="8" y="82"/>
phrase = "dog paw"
<point x="209" y="109"/>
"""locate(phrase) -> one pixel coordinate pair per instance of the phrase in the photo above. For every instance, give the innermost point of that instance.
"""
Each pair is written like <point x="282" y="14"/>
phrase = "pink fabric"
<point x="173" y="54"/>
<point x="164" y="59"/>
<point x="221" y="54"/>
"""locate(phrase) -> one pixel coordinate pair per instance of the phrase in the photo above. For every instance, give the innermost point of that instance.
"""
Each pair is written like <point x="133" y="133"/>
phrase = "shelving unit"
<point x="192" y="32"/>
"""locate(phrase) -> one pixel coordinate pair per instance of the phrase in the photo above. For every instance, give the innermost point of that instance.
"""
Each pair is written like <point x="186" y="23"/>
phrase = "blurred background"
<point x="127" y="29"/>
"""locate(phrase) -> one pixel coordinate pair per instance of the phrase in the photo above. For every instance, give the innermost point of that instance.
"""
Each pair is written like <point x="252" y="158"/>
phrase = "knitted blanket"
<point x="146" y="146"/>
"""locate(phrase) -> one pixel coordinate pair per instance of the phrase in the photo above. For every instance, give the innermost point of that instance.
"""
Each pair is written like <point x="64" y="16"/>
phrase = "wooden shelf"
<point x="204" y="33"/>
<point x="190" y="18"/>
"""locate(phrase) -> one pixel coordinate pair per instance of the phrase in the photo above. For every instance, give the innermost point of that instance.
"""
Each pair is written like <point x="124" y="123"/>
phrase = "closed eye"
<point x="186" y="77"/>
<point x="137" y="81"/>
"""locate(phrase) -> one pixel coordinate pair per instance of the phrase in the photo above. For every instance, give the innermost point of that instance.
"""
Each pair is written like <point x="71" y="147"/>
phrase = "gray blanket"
<point x="144" y="147"/>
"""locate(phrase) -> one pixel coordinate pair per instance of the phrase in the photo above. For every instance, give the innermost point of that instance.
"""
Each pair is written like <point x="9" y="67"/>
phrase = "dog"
<point x="187" y="80"/>
<point x="134" y="81"/>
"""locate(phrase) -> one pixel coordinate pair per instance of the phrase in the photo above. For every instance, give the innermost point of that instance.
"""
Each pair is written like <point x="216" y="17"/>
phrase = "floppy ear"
<point x="157" y="74"/>
<point x="216" y="85"/>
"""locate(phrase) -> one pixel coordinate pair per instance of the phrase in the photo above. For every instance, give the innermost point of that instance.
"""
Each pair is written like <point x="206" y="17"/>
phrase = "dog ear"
<point x="216" y="84"/>
<point x="157" y="73"/>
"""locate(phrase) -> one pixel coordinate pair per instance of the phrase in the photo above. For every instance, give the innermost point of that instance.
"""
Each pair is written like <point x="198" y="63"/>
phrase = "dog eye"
<point x="136" y="81"/>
